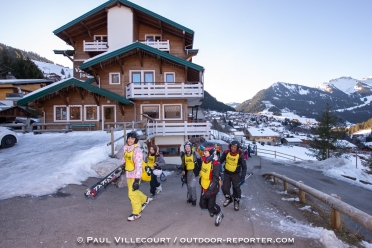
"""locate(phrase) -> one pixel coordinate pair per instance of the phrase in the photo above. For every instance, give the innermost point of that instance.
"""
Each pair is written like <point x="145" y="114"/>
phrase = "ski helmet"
<point x="133" y="134"/>
<point x="234" y="143"/>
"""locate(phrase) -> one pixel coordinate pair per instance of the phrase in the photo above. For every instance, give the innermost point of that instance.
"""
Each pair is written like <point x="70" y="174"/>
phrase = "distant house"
<point x="238" y="135"/>
<point x="292" y="141"/>
<point x="262" y="135"/>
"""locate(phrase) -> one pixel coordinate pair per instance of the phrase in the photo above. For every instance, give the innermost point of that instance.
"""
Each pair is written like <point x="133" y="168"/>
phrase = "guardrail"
<point x="332" y="200"/>
<point x="277" y="154"/>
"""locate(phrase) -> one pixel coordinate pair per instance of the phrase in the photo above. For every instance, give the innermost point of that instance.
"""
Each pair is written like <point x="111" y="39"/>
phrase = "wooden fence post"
<point x="301" y="194"/>
<point x="336" y="220"/>
<point x="285" y="185"/>
<point x="112" y="142"/>
<point x="275" y="180"/>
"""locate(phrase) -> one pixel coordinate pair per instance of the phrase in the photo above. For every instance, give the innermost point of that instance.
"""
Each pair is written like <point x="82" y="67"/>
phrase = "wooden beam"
<point x="68" y="56"/>
<point x="81" y="94"/>
<point x="121" y="108"/>
<point x="184" y="39"/>
<point x="186" y="69"/>
<point x="140" y="56"/>
<point x="38" y="110"/>
<point x="95" y="75"/>
<point x="96" y="99"/>
<point x="64" y="98"/>
<point x="88" y="29"/>
<point x="160" y="64"/>
<point x="121" y="64"/>
<point x="161" y="28"/>
<point x="71" y="39"/>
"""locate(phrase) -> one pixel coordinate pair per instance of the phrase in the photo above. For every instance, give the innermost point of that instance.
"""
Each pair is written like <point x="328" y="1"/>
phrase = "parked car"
<point x="7" y="137"/>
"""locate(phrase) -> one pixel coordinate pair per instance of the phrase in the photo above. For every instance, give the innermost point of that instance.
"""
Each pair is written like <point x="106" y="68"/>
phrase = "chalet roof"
<point x="115" y="54"/>
<point x="262" y="132"/>
<point x="25" y="81"/>
<point x="69" y="82"/>
<point x="64" y="52"/>
<point x="96" y="19"/>
<point x="293" y="140"/>
<point x="19" y="111"/>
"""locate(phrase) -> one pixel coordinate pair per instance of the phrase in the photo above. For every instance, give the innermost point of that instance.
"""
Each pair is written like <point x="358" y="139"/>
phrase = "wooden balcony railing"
<point x="170" y="129"/>
<point x="164" y="90"/>
<point x="162" y="45"/>
<point x="95" y="46"/>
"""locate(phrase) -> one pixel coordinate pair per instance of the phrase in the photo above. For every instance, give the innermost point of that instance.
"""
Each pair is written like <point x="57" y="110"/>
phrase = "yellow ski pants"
<point x="137" y="198"/>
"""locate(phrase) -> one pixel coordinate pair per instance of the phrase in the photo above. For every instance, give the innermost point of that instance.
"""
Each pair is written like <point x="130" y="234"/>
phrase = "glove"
<point x="207" y="194"/>
<point x="148" y="170"/>
<point x="136" y="184"/>
<point x="242" y="180"/>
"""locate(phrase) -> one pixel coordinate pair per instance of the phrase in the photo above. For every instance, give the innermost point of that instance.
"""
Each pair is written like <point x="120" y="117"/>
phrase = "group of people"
<point x="212" y="175"/>
<point x="209" y="171"/>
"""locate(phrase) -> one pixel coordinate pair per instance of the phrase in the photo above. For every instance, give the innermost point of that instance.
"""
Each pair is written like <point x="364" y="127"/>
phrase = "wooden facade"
<point x="118" y="60"/>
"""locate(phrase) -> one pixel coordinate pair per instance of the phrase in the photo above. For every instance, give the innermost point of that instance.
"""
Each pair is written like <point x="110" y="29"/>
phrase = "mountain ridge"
<point x="350" y="97"/>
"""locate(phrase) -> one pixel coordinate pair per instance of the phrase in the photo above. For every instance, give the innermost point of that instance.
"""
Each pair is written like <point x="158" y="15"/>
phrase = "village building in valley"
<point x="130" y="65"/>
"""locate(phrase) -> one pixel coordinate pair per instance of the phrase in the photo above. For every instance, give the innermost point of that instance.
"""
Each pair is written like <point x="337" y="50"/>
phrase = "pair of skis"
<point x="104" y="182"/>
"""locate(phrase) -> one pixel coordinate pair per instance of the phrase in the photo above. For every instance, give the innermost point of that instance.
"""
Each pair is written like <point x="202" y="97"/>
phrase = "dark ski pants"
<point x="153" y="184"/>
<point x="234" y="180"/>
<point x="209" y="204"/>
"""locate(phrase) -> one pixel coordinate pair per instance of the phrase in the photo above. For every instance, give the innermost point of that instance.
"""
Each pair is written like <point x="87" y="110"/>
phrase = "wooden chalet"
<point x="128" y="63"/>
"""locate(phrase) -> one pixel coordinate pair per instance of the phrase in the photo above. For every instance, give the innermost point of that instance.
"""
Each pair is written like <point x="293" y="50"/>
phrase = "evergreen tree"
<point x="26" y="69"/>
<point x="330" y="129"/>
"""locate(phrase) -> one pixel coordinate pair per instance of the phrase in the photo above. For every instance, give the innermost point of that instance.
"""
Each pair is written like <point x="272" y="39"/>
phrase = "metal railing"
<point x="164" y="90"/>
<point x="332" y="200"/>
<point x="277" y="154"/>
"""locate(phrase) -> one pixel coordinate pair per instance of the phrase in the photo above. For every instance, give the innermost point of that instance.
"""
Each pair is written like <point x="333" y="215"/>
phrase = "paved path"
<point x="59" y="220"/>
<point x="355" y="196"/>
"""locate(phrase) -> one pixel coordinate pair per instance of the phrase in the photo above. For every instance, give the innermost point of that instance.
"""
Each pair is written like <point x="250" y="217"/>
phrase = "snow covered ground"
<point x="41" y="164"/>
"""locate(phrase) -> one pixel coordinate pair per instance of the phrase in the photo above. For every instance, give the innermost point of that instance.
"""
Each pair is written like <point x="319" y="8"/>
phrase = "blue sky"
<point x="244" y="45"/>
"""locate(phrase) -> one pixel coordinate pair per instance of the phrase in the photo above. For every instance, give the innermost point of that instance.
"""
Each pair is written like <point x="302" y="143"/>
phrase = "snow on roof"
<point x="239" y="133"/>
<point x="345" y="143"/>
<point x="293" y="140"/>
<point x="262" y="132"/>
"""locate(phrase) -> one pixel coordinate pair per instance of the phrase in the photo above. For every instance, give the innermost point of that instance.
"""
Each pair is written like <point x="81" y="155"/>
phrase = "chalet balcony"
<point x="147" y="91"/>
<point x="181" y="128"/>
<point x="162" y="45"/>
<point x="95" y="46"/>
<point x="14" y="96"/>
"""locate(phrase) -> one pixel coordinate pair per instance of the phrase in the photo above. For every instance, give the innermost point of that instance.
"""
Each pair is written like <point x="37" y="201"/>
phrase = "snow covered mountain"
<point x="233" y="104"/>
<point x="48" y="69"/>
<point x="351" y="98"/>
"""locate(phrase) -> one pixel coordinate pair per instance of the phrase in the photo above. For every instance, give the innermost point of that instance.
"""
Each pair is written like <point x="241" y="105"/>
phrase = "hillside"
<point x="211" y="103"/>
<point x="349" y="97"/>
<point x="17" y="53"/>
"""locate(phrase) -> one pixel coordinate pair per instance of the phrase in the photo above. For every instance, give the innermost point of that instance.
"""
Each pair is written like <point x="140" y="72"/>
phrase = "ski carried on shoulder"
<point x="104" y="182"/>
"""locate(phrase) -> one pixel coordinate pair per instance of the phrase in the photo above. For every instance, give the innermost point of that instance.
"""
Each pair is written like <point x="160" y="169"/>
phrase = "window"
<point x="151" y="110"/>
<point x="153" y="37"/>
<point x="60" y="113"/>
<point x="170" y="150"/>
<point x="70" y="113"/>
<point x="169" y="77"/>
<point x="114" y="78"/>
<point x="100" y="38"/>
<point x="75" y="113"/>
<point x="142" y="77"/>
<point x="172" y="111"/>
<point x="91" y="113"/>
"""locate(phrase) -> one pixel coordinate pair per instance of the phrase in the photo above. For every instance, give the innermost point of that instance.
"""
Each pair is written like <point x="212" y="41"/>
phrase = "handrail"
<point x="275" y="154"/>
<point x="350" y="211"/>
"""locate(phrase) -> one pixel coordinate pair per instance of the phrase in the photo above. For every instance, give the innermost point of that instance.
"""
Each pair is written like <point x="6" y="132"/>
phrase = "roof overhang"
<point x="96" y="19"/>
<point x="53" y="89"/>
<point x="136" y="49"/>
